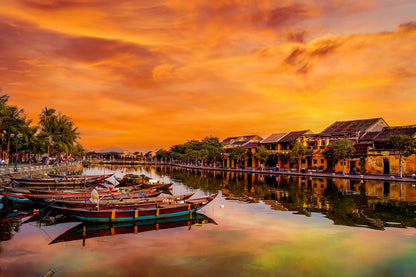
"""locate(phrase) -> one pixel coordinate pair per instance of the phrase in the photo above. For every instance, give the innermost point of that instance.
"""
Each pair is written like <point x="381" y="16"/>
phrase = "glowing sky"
<point x="141" y="75"/>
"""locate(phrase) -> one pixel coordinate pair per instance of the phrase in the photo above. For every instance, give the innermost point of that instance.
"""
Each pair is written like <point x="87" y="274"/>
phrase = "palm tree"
<point x="58" y="132"/>
<point x="47" y="124"/>
<point x="65" y="134"/>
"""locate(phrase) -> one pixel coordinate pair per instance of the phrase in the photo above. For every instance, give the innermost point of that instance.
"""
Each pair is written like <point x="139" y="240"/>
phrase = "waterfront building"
<point x="353" y="130"/>
<point x="250" y="142"/>
<point x="383" y="159"/>
<point x="279" y="146"/>
<point x="373" y="154"/>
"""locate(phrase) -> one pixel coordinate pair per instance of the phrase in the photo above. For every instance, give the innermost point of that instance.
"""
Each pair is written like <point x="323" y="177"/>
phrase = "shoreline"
<point x="291" y="172"/>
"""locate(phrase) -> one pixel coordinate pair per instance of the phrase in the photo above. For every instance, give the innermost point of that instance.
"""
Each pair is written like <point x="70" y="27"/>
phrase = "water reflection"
<point x="371" y="204"/>
<point x="270" y="226"/>
<point x="85" y="231"/>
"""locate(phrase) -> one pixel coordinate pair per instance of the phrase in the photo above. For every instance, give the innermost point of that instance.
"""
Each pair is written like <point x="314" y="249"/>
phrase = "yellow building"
<point x="383" y="159"/>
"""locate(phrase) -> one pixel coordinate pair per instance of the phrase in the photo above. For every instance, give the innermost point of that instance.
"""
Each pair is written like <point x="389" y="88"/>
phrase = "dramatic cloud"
<point x="143" y="75"/>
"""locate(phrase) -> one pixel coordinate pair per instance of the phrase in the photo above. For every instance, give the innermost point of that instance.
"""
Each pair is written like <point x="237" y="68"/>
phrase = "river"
<point x="257" y="226"/>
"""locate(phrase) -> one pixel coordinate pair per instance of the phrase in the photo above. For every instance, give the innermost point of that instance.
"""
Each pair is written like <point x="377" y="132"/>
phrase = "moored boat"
<point x="132" y="213"/>
<point x="85" y="231"/>
<point x="48" y="199"/>
<point x="144" y="184"/>
<point x="70" y="177"/>
<point x="17" y="197"/>
<point x="54" y="182"/>
<point x="105" y="203"/>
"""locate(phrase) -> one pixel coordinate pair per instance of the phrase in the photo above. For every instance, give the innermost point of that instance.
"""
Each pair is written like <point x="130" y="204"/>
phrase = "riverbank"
<point x="122" y="162"/>
<point x="295" y="172"/>
<point x="37" y="170"/>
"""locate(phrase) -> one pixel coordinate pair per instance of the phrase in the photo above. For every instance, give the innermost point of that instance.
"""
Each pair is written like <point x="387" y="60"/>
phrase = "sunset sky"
<point x="145" y="75"/>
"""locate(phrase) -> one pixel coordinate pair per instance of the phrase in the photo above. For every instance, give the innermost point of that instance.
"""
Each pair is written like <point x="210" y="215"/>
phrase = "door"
<point x="386" y="165"/>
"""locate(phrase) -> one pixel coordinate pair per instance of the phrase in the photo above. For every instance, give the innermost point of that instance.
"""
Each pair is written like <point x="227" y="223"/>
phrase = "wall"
<point x="375" y="163"/>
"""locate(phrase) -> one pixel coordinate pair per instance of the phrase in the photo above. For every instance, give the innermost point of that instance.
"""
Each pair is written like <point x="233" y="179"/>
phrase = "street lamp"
<point x="15" y="158"/>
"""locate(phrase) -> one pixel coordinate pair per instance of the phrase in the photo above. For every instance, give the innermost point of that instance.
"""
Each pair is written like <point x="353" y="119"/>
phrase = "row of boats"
<point x="134" y="198"/>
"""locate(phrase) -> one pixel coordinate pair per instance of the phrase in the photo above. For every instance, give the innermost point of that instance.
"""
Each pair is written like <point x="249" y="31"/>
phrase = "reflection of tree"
<point x="342" y="205"/>
<point x="194" y="179"/>
<point x="402" y="214"/>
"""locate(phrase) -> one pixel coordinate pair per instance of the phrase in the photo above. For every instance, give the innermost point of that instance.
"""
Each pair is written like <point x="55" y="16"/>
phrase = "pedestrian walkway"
<point x="295" y="172"/>
<point x="26" y="170"/>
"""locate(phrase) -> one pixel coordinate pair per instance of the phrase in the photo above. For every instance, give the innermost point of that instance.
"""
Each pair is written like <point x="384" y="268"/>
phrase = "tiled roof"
<point x="385" y="134"/>
<point x="252" y="144"/>
<point x="239" y="142"/>
<point x="361" y="149"/>
<point x="351" y="127"/>
<point x="240" y="138"/>
<point x="369" y="136"/>
<point x="273" y="138"/>
<point x="292" y="136"/>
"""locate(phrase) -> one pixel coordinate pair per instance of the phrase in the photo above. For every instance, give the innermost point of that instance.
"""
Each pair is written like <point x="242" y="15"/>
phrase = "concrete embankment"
<point x="121" y="162"/>
<point x="295" y="172"/>
<point x="38" y="170"/>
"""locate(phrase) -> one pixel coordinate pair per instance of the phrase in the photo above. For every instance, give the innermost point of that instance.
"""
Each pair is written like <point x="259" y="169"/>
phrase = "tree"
<point x="210" y="148"/>
<point x="12" y="121"/>
<point x="261" y="154"/>
<point x="47" y="124"/>
<point x="215" y="153"/>
<point x="161" y="154"/>
<point x="297" y="152"/>
<point x="238" y="154"/>
<point x="404" y="146"/>
<point x="31" y="142"/>
<point x="57" y="131"/>
<point x="343" y="149"/>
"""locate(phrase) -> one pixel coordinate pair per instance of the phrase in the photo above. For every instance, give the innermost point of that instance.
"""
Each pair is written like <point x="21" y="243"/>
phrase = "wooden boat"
<point x="120" y="202"/>
<point x="123" y="182"/>
<point x="19" y="214"/>
<point x="53" y="182"/>
<point x="17" y="197"/>
<point x="47" y="199"/>
<point x="15" y="190"/>
<point x="85" y="190"/>
<point x="70" y="177"/>
<point x="160" y="185"/>
<point x="85" y="231"/>
<point x="132" y="213"/>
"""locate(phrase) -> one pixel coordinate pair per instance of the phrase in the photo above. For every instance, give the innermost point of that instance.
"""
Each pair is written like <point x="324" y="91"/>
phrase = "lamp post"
<point x="15" y="158"/>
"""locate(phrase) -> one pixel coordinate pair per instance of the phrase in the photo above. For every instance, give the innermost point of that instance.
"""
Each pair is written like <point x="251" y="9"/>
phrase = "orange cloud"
<point x="142" y="76"/>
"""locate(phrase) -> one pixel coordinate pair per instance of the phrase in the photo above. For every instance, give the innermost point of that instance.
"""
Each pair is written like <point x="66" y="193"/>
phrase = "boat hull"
<point x="135" y="214"/>
<point x="19" y="198"/>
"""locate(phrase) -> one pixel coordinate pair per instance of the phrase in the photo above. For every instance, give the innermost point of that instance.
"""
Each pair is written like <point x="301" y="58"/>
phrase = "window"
<point x="322" y="161"/>
<point x="315" y="161"/>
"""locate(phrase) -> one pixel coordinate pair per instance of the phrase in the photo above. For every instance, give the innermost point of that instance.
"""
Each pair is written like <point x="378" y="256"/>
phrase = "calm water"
<point x="257" y="226"/>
